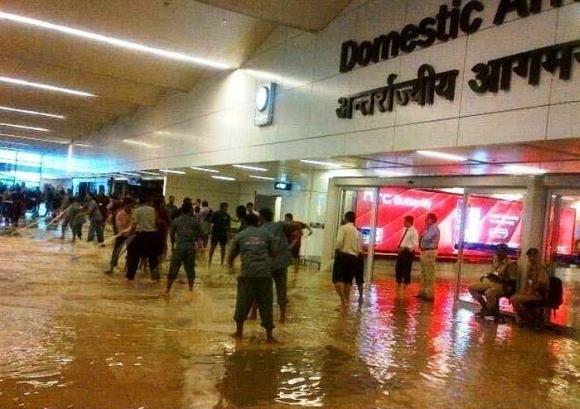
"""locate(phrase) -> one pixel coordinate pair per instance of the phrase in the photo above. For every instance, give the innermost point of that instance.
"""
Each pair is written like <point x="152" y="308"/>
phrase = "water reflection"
<point x="74" y="337"/>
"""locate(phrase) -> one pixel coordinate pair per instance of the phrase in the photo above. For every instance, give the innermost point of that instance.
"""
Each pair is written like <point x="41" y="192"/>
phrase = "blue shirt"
<point x="256" y="247"/>
<point x="282" y="257"/>
<point x="430" y="238"/>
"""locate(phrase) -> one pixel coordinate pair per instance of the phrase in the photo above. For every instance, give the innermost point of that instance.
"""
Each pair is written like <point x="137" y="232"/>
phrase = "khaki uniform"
<point x="536" y="289"/>
<point x="488" y="292"/>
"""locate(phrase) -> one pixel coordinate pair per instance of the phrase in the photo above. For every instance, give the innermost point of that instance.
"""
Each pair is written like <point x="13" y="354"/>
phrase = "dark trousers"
<point x="280" y="277"/>
<point x="77" y="230"/>
<point x="119" y="241"/>
<point x="259" y="290"/>
<point x="145" y="244"/>
<point x="404" y="266"/>
<point x="96" y="227"/>
<point x="187" y="258"/>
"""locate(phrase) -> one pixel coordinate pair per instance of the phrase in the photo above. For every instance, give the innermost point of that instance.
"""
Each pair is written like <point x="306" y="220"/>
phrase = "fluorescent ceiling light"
<point x="46" y="87"/>
<point x="83" y="145"/>
<point x="116" y="42"/>
<point x="224" y="178"/>
<point x="205" y="169"/>
<point x="257" y="169"/>
<point x="147" y="173"/>
<point x="29" y="128"/>
<point x="28" y="112"/>
<point x="317" y="162"/>
<point x="442" y="155"/>
<point x="261" y="177"/>
<point x="524" y="170"/>
<point x="175" y="172"/>
<point x="59" y="141"/>
<point x="139" y="143"/>
<point x="129" y="174"/>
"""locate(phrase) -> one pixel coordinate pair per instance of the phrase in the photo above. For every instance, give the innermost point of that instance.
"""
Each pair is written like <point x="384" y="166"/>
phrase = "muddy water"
<point x="72" y="337"/>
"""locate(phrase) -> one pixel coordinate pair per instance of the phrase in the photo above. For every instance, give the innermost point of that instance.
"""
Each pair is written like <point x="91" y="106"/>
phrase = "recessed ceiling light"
<point x="59" y="141"/>
<point x="46" y="87"/>
<point x="116" y="42"/>
<point x="442" y="155"/>
<point x="28" y="112"/>
<point x="229" y="179"/>
<point x="30" y="128"/>
<point x="321" y="163"/>
<point x="261" y="177"/>
<point x="205" y="169"/>
<point x="256" y="168"/>
<point x="175" y="172"/>
<point x="524" y="170"/>
<point x="147" y="173"/>
<point x="139" y="143"/>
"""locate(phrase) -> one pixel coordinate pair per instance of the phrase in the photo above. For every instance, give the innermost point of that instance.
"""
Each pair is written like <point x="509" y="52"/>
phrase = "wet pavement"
<point x="72" y="337"/>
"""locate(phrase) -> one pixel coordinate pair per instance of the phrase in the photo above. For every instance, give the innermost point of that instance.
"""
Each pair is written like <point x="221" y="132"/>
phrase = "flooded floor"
<point x="72" y="337"/>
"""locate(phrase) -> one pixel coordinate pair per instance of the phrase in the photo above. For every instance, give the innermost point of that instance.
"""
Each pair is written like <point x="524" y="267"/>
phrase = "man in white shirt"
<point x="406" y="248"/>
<point x="347" y="258"/>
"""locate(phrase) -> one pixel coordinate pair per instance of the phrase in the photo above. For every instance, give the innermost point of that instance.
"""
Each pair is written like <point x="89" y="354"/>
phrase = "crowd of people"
<point x="145" y="229"/>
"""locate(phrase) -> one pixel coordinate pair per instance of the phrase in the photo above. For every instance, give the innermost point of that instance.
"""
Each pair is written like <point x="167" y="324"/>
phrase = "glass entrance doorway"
<point x="562" y="252"/>
<point x="471" y="221"/>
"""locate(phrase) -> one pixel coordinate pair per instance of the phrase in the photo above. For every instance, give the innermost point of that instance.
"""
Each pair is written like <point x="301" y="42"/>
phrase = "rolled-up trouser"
<point x="119" y="241"/>
<point x="488" y="289"/>
<point x="185" y="256"/>
<point x="280" y="277"/>
<point x="258" y="289"/>
<point x="428" y="258"/>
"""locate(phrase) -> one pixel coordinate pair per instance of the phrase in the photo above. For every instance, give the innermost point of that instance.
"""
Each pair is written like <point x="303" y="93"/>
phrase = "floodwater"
<point x="72" y="337"/>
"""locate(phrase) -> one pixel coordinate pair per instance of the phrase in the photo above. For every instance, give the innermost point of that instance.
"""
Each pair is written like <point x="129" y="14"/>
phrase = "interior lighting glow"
<point x="205" y="169"/>
<point x="229" y="179"/>
<point x="59" y="141"/>
<point x="321" y="163"/>
<point x="28" y="112"/>
<point x="256" y="168"/>
<point x="175" y="172"/>
<point x="261" y="177"/>
<point x="442" y="155"/>
<point x="139" y="143"/>
<point x="29" y="128"/>
<point x="143" y="172"/>
<point x="83" y="145"/>
<point x="45" y="87"/>
<point x="523" y="170"/>
<point x="115" y="42"/>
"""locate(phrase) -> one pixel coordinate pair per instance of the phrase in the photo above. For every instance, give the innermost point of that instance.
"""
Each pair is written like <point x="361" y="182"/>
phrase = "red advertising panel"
<point x="566" y="231"/>
<point x="490" y="221"/>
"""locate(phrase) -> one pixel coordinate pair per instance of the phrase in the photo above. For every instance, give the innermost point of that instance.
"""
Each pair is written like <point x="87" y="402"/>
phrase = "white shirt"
<point x="410" y="239"/>
<point x="349" y="240"/>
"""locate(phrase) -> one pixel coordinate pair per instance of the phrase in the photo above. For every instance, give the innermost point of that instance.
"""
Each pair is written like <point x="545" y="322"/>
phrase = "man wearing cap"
<point x="497" y="283"/>
<point x="536" y="288"/>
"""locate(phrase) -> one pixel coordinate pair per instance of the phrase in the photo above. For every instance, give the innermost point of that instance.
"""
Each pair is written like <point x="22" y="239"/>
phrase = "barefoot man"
<point x="256" y="248"/>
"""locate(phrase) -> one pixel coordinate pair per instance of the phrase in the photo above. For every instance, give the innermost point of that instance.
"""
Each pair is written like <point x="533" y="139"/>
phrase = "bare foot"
<point x="272" y="340"/>
<point x="237" y="335"/>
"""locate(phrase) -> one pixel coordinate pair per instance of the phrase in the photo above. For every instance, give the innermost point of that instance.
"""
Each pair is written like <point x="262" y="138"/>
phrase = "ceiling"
<point x="553" y="157"/>
<point x="122" y="80"/>
<point x="310" y="15"/>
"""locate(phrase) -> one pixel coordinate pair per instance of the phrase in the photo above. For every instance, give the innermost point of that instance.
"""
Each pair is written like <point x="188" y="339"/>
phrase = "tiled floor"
<point x="72" y="337"/>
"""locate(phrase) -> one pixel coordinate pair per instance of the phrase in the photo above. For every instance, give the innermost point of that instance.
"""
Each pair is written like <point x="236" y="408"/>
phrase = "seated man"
<point x="536" y="288"/>
<point x="496" y="284"/>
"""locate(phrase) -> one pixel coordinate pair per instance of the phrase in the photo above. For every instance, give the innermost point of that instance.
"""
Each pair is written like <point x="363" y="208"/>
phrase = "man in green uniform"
<point x="184" y="231"/>
<point x="281" y="262"/>
<point x="256" y="248"/>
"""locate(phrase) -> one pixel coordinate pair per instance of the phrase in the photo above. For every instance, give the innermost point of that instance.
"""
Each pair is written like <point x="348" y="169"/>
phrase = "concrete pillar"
<point x="330" y="224"/>
<point x="533" y="219"/>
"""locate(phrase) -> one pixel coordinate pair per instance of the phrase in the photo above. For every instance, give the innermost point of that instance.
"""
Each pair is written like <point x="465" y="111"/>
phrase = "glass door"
<point x="562" y="252"/>
<point x="362" y="201"/>
<point x="492" y="217"/>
